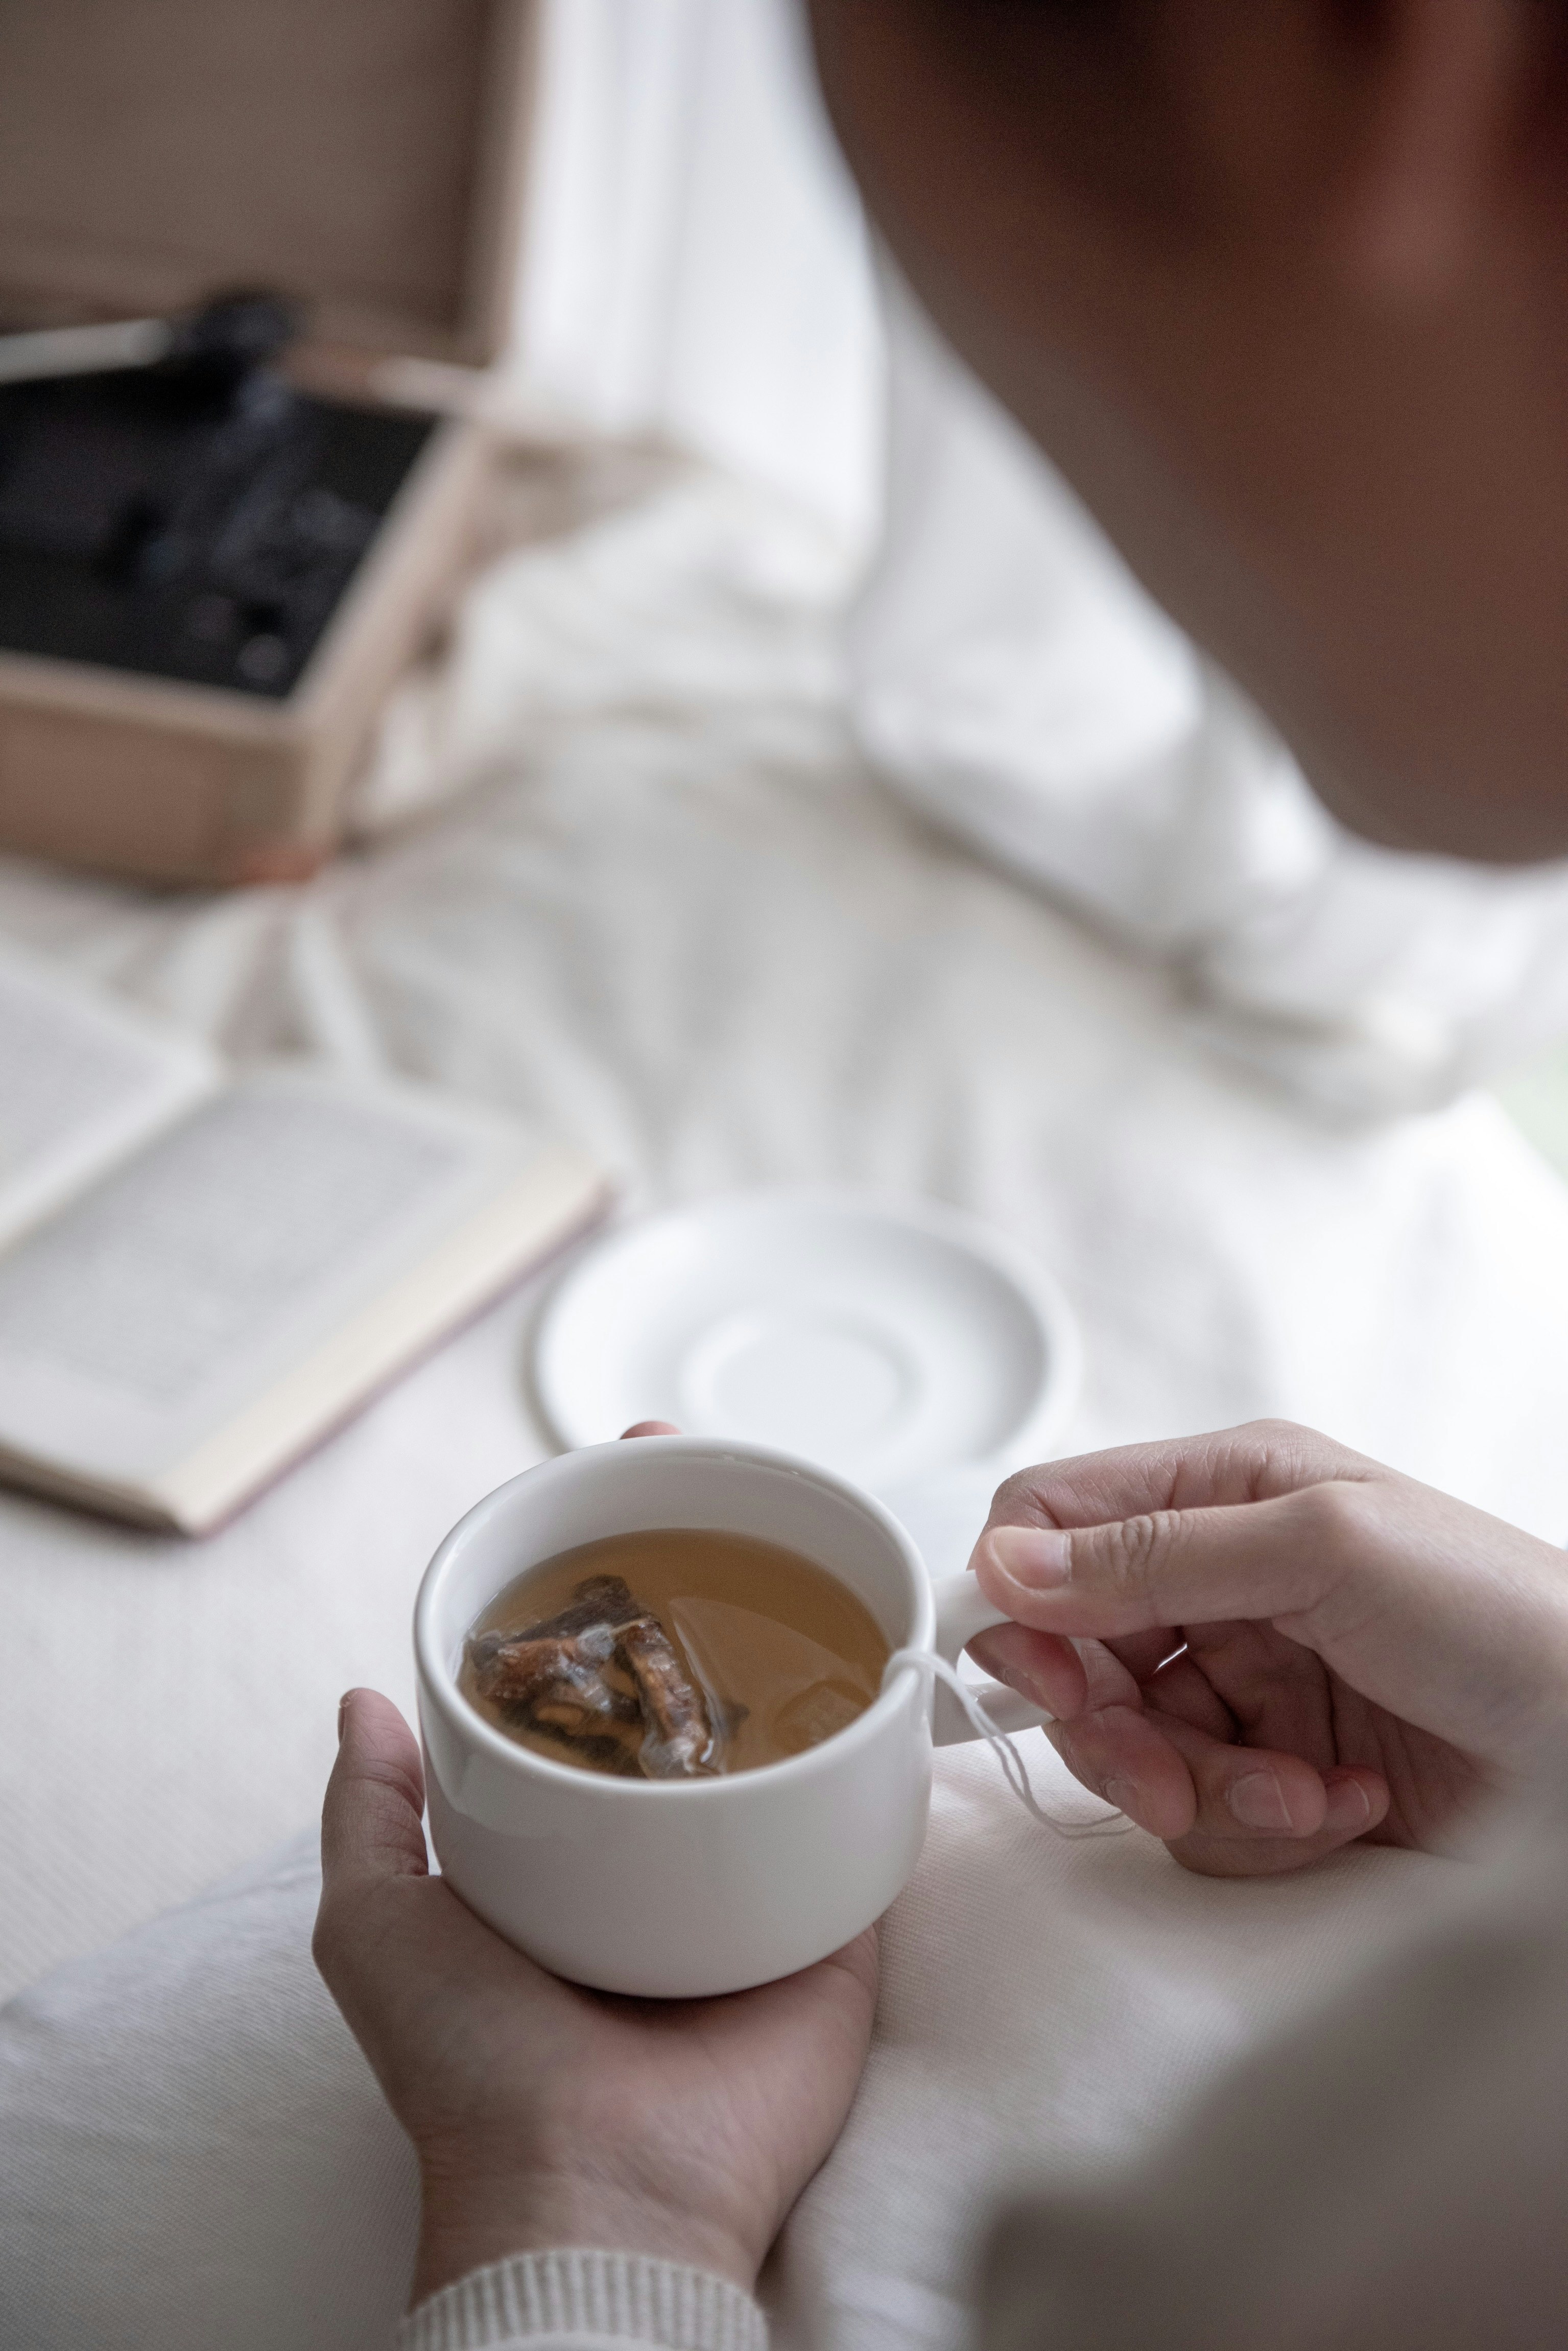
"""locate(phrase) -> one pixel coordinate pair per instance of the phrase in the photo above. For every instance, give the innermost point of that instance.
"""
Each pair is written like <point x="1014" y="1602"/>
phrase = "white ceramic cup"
<point x="666" y="1889"/>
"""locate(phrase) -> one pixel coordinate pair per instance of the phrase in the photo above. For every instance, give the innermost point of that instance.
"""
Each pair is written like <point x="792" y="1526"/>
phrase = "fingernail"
<point x="1039" y="1558"/>
<point x="1258" y="1803"/>
<point x="1122" y="1793"/>
<point x="1350" y="1808"/>
<point x="342" y="1713"/>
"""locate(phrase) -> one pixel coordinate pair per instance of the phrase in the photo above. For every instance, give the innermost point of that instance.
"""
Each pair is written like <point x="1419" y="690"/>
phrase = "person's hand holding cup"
<point x="547" y="2114"/>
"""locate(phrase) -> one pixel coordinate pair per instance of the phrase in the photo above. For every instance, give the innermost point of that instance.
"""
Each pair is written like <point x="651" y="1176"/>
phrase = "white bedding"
<point x="670" y="915"/>
<point x="190" y="2105"/>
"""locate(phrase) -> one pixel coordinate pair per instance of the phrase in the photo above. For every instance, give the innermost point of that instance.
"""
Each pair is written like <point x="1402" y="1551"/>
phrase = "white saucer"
<point x="899" y="1343"/>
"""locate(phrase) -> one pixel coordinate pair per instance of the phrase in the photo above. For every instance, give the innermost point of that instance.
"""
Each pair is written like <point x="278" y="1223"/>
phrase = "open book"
<point x="200" y="1274"/>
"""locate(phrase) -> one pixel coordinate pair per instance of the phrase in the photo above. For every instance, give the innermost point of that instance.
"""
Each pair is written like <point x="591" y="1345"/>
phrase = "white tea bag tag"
<point x="935" y="1668"/>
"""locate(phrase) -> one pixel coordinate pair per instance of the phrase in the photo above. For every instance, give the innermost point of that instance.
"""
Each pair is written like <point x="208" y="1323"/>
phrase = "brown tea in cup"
<point x="674" y="1654"/>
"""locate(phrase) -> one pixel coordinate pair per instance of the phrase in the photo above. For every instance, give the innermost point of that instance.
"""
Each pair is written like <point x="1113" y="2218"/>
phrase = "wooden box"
<point x="366" y="156"/>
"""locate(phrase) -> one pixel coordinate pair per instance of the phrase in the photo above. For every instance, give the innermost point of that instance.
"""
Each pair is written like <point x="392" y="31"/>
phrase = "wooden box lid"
<point x="365" y="154"/>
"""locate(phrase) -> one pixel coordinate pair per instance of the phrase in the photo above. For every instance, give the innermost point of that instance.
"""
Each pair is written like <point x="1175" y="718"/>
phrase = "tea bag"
<point x="808" y="1693"/>
<point x="677" y="1740"/>
<point x="602" y="1678"/>
<point x="560" y="1680"/>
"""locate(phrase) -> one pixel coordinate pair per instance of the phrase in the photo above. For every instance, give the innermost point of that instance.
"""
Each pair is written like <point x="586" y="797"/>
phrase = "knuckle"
<point x="1017" y="1500"/>
<point x="1140" y="1545"/>
<point x="380" y="1779"/>
<point x="1289" y="1451"/>
<point x="1296" y="1454"/>
<point x="405" y="1778"/>
<point x="1272" y="1432"/>
<point x="1341" y="1518"/>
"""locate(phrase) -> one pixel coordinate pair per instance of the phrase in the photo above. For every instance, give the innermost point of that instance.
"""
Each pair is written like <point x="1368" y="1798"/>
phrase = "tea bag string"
<point x="931" y="1667"/>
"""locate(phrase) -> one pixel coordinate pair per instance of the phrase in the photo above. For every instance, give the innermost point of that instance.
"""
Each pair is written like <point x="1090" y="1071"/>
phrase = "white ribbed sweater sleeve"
<point x="585" y="2301"/>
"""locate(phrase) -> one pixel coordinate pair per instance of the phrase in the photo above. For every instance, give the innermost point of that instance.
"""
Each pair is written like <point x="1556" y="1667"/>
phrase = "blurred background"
<point x="697" y="270"/>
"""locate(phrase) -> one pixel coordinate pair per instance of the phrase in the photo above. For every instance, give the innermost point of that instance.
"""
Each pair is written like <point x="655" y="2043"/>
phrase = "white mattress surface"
<point x="662" y="910"/>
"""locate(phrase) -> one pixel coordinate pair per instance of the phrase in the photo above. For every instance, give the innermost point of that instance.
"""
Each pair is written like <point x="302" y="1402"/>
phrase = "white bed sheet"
<point x="668" y="914"/>
<point x="189" y="2105"/>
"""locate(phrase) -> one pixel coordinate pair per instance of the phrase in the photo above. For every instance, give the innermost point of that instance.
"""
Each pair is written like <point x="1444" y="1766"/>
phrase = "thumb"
<point x="1277" y="1560"/>
<point x="373" y="1823"/>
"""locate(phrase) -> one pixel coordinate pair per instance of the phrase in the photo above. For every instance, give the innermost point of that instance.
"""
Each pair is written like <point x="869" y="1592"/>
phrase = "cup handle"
<point x="962" y="1610"/>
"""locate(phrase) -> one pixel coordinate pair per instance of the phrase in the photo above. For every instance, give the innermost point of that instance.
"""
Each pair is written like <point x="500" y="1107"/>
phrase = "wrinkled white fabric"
<point x="671" y="918"/>
<point x="185" y="2113"/>
<point x="193" y="2151"/>
<point x="1011" y="676"/>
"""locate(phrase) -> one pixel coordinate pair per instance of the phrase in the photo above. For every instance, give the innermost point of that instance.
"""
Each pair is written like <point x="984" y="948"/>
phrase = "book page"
<point x="153" y="1309"/>
<point x="82" y="1081"/>
<point x="223" y="1229"/>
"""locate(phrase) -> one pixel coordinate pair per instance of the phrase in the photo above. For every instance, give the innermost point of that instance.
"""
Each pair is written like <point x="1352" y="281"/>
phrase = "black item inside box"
<point x="200" y="532"/>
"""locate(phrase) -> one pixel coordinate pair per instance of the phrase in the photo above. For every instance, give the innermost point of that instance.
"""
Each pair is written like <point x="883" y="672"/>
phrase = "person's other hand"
<point x="544" y="2115"/>
<point x="1261" y="1645"/>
